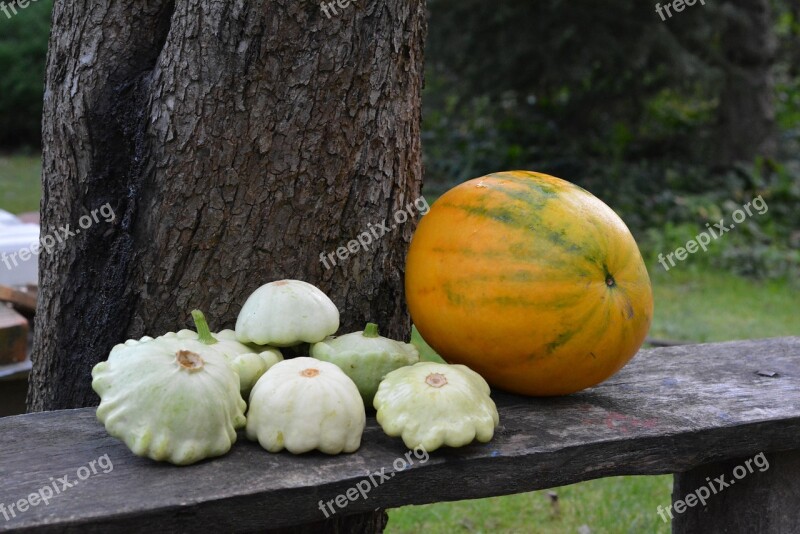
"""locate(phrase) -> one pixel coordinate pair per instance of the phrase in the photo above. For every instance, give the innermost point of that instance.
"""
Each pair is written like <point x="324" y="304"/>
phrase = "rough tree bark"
<point x="235" y="141"/>
<point x="746" y="111"/>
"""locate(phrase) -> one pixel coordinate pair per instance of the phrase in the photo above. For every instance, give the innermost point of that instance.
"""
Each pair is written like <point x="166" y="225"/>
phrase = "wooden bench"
<point x="13" y="335"/>
<point x="697" y="411"/>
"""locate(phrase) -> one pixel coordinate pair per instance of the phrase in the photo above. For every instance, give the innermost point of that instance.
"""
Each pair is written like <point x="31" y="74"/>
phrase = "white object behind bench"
<point x="14" y="237"/>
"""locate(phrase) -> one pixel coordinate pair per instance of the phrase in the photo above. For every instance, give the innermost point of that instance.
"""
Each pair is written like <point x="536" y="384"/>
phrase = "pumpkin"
<point x="529" y="280"/>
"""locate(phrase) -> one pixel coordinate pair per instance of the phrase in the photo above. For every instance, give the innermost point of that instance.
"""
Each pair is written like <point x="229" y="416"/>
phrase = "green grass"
<point x="691" y="305"/>
<point x="20" y="183"/>
<point x="704" y="306"/>
<point x="614" y="505"/>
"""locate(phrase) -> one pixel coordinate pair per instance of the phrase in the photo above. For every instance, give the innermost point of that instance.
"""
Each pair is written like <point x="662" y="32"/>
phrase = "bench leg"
<point x="367" y="523"/>
<point x="763" y="497"/>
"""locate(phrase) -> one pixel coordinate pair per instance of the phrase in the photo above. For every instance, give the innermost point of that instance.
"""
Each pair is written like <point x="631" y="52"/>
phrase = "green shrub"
<point x="763" y="246"/>
<point x="23" y="52"/>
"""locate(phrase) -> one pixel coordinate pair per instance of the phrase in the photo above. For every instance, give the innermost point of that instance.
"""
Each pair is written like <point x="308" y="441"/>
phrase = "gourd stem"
<point x="371" y="330"/>
<point x="201" y="325"/>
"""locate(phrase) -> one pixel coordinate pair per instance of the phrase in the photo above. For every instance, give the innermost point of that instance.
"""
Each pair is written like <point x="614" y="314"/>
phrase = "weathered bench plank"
<point x="670" y="410"/>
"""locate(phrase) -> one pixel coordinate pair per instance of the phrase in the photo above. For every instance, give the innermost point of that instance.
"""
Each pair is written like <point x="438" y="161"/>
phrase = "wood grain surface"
<point x="670" y="410"/>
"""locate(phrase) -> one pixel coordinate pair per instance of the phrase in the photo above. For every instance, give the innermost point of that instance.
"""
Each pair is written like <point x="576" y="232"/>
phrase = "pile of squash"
<point x="180" y="397"/>
<point x="517" y="278"/>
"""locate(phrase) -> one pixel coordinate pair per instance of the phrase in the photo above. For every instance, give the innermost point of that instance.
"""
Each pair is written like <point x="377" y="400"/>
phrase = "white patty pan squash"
<point x="366" y="357"/>
<point x="433" y="404"/>
<point x="304" y="404"/>
<point x="249" y="361"/>
<point x="174" y="400"/>
<point x="131" y="343"/>
<point x="286" y="313"/>
<point x="252" y="366"/>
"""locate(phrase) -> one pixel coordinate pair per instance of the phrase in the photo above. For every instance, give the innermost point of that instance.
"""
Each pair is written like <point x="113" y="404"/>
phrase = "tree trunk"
<point x="746" y="112"/>
<point x="235" y="141"/>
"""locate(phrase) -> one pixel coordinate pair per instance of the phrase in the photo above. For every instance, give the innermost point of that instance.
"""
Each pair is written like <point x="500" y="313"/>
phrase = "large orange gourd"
<point x="529" y="280"/>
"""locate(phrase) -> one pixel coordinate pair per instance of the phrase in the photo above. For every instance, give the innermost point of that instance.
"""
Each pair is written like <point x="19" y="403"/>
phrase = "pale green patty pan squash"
<point x="174" y="400"/>
<point x="366" y="357"/>
<point x="304" y="404"/>
<point x="248" y="360"/>
<point x="287" y="313"/>
<point x="433" y="404"/>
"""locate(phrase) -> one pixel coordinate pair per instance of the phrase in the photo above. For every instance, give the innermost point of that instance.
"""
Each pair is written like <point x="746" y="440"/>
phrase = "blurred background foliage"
<point x="606" y="95"/>
<point x="674" y="124"/>
<point x="23" y="51"/>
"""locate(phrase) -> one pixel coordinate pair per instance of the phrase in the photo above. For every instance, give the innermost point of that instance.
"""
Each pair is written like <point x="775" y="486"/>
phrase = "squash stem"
<point x="371" y="330"/>
<point x="201" y="325"/>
